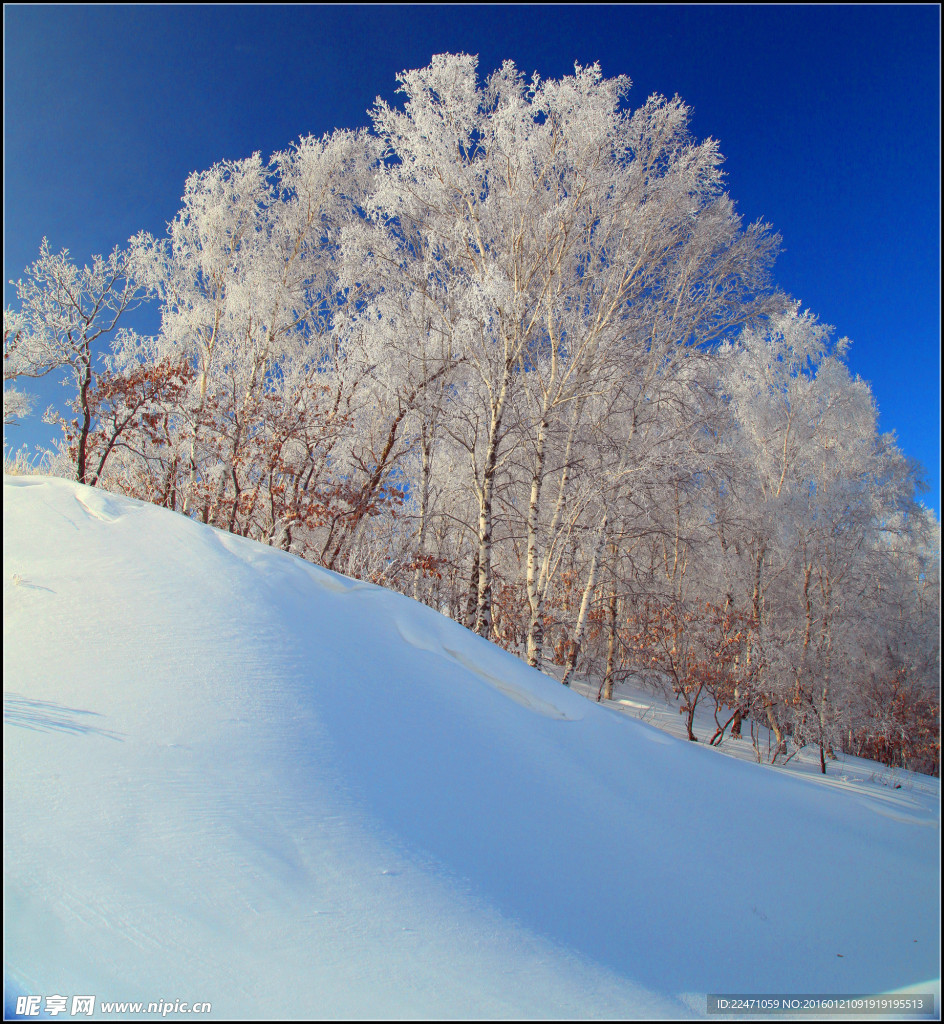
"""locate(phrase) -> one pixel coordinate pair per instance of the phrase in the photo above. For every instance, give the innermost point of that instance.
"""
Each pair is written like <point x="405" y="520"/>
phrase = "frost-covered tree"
<point x="247" y="280"/>
<point x="895" y="716"/>
<point x="556" y="240"/>
<point x="802" y="521"/>
<point x="16" y="403"/>
<point x="66" y="314"/>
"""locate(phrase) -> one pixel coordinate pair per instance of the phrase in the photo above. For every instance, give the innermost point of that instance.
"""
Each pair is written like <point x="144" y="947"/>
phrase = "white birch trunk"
<point x="585" y="601"/>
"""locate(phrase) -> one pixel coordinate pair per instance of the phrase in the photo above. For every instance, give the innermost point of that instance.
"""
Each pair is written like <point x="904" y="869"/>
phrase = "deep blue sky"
<point x="829" y="119"/>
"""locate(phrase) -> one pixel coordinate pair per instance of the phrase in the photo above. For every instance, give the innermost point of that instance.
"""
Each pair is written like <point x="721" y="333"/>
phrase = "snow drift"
<point x="235" y="777"/>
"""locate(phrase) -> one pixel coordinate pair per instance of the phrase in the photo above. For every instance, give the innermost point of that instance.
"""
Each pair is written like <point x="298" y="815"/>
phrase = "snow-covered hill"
<point x="235" y="777"/>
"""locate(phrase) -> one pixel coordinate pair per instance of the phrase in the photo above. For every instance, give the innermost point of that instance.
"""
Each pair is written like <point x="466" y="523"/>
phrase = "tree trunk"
<point x="86" y="426"/>
<point x="775" y="729"/>
<point x="198" y="414"/>
<point x="585" y="602"/>
<point x="469" y="620"/>
<point x="691" y="715"/>
<point x="424" y="505"/>
<point x="483" y="610"/>
<point x="483" y="604"/>
<point x="607" y="686"/>
<point x="535" y="639"/>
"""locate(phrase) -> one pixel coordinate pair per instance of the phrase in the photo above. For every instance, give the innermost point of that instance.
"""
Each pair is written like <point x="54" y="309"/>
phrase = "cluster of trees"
<point x="512" y="352"/>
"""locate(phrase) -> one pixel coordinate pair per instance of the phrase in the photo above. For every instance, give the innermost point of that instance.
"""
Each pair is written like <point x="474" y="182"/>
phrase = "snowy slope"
<point x="232" y="776"/>
<point x="634" y="698"/>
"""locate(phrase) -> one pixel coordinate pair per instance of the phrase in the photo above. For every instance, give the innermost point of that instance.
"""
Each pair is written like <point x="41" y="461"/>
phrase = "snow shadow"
<point x="48" y="716"/>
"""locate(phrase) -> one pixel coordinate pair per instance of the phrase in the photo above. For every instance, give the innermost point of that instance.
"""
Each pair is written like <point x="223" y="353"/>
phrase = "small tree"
<point x="64" y="313"/>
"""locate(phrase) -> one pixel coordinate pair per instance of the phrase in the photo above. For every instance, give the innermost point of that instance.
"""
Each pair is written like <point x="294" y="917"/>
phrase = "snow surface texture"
<point x="236" y="777"/>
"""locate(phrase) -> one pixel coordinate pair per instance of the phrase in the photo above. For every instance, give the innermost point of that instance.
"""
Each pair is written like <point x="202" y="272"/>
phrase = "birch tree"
<point x="549" y="229"/>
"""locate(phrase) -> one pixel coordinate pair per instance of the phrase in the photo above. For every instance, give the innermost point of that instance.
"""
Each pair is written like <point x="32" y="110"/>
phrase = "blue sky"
<point x="828" y="117"/>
